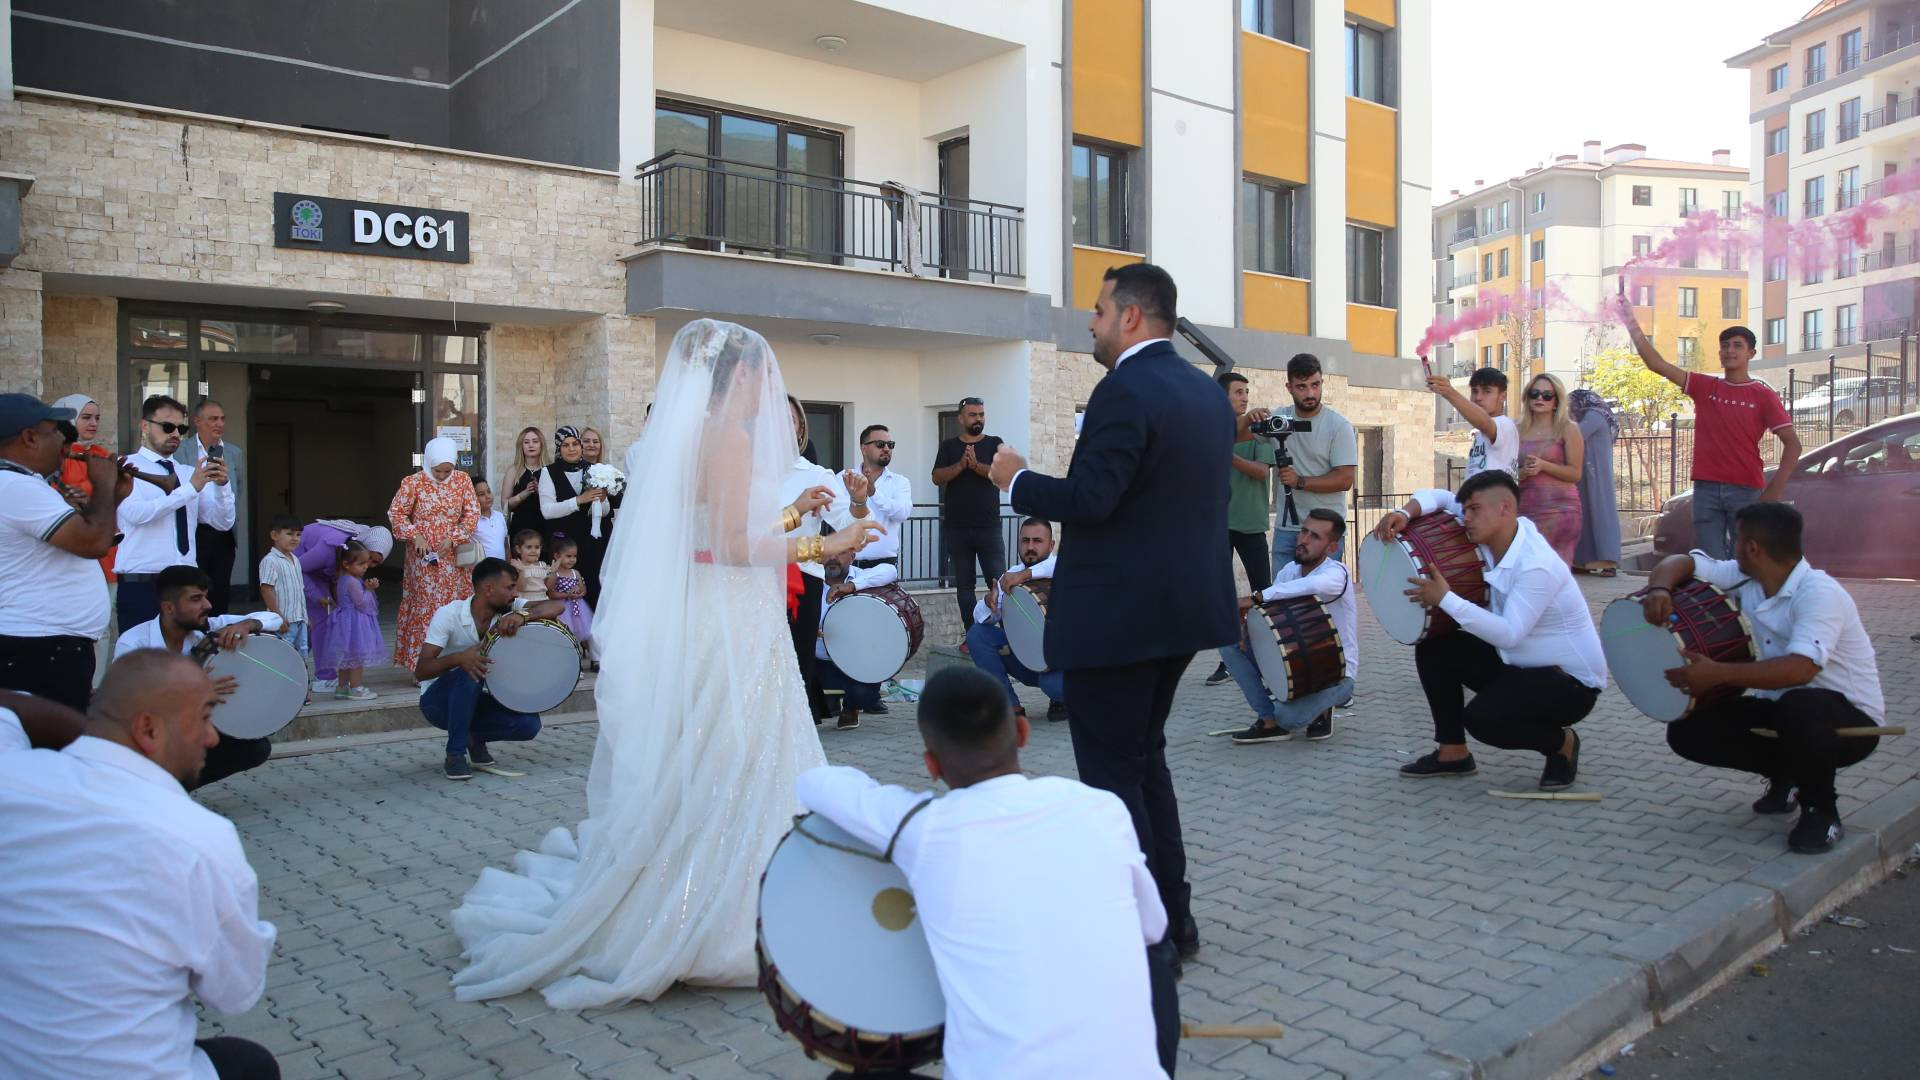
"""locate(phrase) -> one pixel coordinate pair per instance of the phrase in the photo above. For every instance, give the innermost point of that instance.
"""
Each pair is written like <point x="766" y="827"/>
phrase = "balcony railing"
<point x="1815" y="141"/>
<point x="1900" y="109"/>
<point x="1846" y="198"/>
<point x="1892" y="40"/>
<point x="1463" y="234"/>
<point x="1816" y="75"/>
<point x="1845" y="335"/>
<point x="1846" y="131"/>
<point x="1462" y="279"/>
<point x="1810" y="339"/>
<point x="718" y="204"/>
<point x="1689" y="210"/>
<point x="1890" y="328"/>
<point x="1816" y="207"/>
<point x="1886" y="258"/>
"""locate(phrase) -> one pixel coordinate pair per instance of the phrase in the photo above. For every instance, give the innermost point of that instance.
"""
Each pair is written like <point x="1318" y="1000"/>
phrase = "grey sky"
<point x="1517" y="81"/>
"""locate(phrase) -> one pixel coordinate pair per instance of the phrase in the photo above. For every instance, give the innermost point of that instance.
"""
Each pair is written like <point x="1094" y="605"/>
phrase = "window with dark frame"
<point x="1267" y="234"/>
<point x="1366" y="63"/>
<point x="1777" y="330"/>
<point x="1777" y="140"/>
<point x="1847" y="125"/>
<point x="1732" y="204"/>
<point x="1100" y="193"/>
<point x="1776" y="79"/>
<point x="1730" y="304"/>
<point x="1367" y="266"/>
<point x="1816" y="129"/>
<point x="753" y="182"/>
<point x="1642" y="195"/>
<point x="1816" y="66"/>
<point x="1538" y="251"/>
<point x="1849" y="51"/>
<point x="1272" y="18"/>
<point x="1689" y="302"/>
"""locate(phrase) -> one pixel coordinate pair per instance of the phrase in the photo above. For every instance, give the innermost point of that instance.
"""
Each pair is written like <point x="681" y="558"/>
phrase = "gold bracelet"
<point x="789" y="519"/>
<point x="810" y="548"/>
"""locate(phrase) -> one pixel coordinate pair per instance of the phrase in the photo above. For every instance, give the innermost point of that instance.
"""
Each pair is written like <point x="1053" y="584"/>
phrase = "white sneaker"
<point x="361" y="693"/>
<point x="324" y="686"/>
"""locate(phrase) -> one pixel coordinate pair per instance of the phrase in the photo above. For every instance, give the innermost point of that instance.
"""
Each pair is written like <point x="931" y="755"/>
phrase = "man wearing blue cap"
<point x="53" y="605"/>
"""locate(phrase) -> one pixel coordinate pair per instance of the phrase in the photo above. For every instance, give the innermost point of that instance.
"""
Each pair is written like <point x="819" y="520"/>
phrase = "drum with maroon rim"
<point x="1429" y="542"/>
<point x="1296" y="646"/>
<point x="871" y="634"/>
<point x="1639" y="654"/>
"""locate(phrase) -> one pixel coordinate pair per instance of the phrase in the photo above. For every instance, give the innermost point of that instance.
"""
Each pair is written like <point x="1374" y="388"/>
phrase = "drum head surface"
<point x="1025" y="622"/>
<point x="272" y="678"/>
<point x="1384" y="570"/>
<point x="1266" y="654"/>
<point x="865" y="638"/>
<point x="534" y="670"/>
<point x="821" y="914"/>
<point x="1638" y="656"/>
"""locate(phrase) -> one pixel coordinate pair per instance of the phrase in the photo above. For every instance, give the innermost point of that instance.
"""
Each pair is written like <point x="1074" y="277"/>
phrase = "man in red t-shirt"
<point x="1730" y="416"/>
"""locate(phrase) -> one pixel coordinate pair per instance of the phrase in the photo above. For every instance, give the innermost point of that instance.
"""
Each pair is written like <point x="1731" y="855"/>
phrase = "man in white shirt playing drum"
<point x="121" y="899"/>
<point x="452" y="667"/>
<point x="1532" y="656"/>
<point x="185" y="618"/>
<point x="843" y="579"/>
<point x="1052" y="989"/>
<point x="1313" y="572"/>
<point x="987" y="639"/>
<point x="1814" y="673"/>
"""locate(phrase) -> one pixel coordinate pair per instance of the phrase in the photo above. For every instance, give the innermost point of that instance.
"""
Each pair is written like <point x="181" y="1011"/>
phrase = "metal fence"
<point x="923" y="551"/>
<point x="725" y="205"/>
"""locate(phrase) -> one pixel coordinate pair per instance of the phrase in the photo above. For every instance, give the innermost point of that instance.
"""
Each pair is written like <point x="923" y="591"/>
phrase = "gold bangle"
<point x="810" y="548"/>
<point x="789" y="519"/>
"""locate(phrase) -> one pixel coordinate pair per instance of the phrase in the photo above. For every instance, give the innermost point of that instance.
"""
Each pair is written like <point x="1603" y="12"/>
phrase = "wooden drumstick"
<point x="1231" y="1031"/>
<point x="1550" y="796"/>
<point x="1844" y="733"/>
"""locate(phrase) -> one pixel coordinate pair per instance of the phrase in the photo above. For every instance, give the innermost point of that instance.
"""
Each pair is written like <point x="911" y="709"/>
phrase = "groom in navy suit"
<point x="1146" y="492"/>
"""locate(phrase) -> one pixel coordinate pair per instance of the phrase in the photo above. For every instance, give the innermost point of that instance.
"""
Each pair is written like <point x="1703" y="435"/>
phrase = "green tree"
<point x="1618" y="375"/>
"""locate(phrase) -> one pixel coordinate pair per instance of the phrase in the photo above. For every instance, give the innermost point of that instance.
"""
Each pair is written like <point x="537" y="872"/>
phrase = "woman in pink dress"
<point x="1551" y="456"/>
<point x="434" y="511"/>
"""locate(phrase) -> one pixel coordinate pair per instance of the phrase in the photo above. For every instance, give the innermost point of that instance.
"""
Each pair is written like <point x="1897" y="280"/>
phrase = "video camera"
<point x="1275" y="429"/>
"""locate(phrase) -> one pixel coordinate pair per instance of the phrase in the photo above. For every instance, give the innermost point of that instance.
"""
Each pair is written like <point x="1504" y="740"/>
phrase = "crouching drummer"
<point x="987" y="643"/>
<point x="1075" y="986"/>
<point x="1311" y="573"/>
<point x="1531" y="657"/>
<point x="452" y="668"/>
<point x="186" y="616"/>
<point x="1814" y="674"/>
<point x="851" y="696"/>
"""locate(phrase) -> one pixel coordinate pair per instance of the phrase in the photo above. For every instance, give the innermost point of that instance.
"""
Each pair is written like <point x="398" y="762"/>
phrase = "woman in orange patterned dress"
<point x="434" y="510"/>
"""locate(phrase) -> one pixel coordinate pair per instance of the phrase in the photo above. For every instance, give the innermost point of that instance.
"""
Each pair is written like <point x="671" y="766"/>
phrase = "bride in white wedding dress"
<point x="703" y="722"/>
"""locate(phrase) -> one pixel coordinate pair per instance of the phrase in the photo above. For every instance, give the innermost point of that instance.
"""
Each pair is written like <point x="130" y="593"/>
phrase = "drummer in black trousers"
<point x="1814" y="673"/>
<point x="185" y="619"/>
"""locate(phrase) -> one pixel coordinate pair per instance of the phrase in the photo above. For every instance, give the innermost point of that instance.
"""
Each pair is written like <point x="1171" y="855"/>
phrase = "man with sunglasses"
<point x="159" y="525"/>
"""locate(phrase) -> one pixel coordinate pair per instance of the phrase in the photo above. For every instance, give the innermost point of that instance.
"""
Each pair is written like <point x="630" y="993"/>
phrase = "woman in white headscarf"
<point x="434" y="511"/>
<point x="703" y="727"/>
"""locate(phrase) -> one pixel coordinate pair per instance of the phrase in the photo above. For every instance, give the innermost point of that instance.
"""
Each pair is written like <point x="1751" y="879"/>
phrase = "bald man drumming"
<point x="122" y="898"/>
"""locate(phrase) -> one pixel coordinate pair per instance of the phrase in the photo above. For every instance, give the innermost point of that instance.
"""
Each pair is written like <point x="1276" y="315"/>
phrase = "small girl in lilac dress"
<point x="570" y="585"/>
<point x="352" y="639"/>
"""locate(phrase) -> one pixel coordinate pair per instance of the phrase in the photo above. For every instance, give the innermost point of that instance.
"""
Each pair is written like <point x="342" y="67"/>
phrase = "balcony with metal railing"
<point x="715" y="204"/>
<point x="1890" y="328"/>
<point x="1892" y="113"/>
<point x="1815" y="207"/>
<point x="1845" y="335"/>
<point x="1462" y="235"/>
<point x="1892" y="40"/>
<point x="1810" y="339"/>
<point x="1889" y="257"/>
<point x="1464" y="278"/>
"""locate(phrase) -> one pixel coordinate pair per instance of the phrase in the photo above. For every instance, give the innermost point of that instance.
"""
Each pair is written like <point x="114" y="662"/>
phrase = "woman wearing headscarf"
<point x="566" y="502"/>
<point x="434" y="511"/>
<point x="1598" y="551"/>
<point x="318" y="554"/>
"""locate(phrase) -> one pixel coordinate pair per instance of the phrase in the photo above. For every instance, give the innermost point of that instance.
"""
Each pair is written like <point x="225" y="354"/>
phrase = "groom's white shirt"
<point x="1039" y="909"/>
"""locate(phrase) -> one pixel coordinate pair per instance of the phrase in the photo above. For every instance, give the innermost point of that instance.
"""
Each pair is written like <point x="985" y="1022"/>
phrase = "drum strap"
<point x="885" y="856"/>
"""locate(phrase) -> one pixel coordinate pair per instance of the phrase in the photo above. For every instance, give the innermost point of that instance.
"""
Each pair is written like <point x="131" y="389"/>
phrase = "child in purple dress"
<point x="351" y="639"/>
<point x="570" y="585"/>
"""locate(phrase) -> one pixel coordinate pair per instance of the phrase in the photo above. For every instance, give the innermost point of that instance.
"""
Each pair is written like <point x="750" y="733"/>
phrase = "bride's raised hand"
<point x="852" y="538"/>
<point x="813" y="499"/>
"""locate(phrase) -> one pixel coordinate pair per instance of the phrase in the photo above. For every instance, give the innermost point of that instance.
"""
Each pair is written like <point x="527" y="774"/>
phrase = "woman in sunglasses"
<point x="1551" y="456"/>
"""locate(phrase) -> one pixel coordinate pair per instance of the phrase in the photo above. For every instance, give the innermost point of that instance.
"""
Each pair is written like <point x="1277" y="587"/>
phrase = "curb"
<point x="1584" y="1017"/>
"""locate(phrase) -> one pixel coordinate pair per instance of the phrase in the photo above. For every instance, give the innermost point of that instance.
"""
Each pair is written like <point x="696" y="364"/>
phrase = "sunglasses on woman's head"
<point x="168" y="427"/>
<point x="1540" y="395"/>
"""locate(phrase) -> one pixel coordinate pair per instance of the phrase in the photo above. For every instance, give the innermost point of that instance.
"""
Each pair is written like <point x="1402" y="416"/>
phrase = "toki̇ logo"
<point x="305" y="225"/>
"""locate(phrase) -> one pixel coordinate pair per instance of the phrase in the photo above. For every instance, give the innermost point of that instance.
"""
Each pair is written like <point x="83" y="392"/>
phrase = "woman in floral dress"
<point x="434" y="510"/>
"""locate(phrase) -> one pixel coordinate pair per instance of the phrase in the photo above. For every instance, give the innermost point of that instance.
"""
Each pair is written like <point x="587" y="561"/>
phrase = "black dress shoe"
<point x="1778" y="799"/>
<point x="1056" y="711"/>
<point x="1430" y="765"/>
<point x="1562" y="769"/>
<point x="876" y="710"/>
<point x="1816" y="831"/>
<point x="1186" y="937"/>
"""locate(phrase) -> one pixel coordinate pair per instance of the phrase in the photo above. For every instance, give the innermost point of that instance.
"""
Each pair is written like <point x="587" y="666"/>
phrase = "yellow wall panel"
<point x="1090" y="265"/>
<point x="1108" y="64"/>
<point x="1273" y="303"/>
<point x="1375" y="11"/>
<point x="1372" y="180"/>
<point x="1273" y="108"/>
<point x="1372" y="330"/>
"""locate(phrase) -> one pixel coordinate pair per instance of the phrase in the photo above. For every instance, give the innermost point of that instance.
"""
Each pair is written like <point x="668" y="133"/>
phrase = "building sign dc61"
<point x="402" y="232"/>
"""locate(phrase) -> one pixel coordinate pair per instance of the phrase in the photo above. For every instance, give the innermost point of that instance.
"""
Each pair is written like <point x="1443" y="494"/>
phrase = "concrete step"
<point x="396" y="709"/>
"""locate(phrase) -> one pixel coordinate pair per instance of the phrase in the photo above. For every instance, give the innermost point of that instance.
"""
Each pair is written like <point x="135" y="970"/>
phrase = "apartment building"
<point x="1835" y="98"/>
<point x="1565" y="230"/>
<point x="360" y="224"/>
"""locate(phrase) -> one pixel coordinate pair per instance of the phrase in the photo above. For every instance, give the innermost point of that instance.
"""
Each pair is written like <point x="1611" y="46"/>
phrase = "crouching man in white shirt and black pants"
<point x="1815" y="673"/>
<point x="1532" y="657"/>
<point x="121" y="899"/>
<point x="185" y="619"/>
<point x="1051" y="989"/>
<point x="1313" y="572"/>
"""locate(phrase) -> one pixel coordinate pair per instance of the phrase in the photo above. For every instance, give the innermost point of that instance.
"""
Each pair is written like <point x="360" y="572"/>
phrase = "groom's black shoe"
<point x="1186" y="937"/>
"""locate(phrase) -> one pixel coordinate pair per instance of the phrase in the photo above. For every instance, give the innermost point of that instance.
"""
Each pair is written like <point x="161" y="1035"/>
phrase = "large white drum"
<point x="1430" y="542"/>
<point x="1639" y="654"/>
<point x="843" y="954"/>
<point x="271" y="685"/>
<point x="871" y="634"/>
<point x="534" y="669"/>
<point x="1023" y="615"/>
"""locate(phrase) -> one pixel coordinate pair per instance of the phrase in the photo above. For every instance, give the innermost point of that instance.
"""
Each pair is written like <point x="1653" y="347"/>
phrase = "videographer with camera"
<point x="1316" y="452"/>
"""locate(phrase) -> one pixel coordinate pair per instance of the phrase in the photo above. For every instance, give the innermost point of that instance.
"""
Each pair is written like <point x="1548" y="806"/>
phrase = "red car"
<point x="1860" y="495"/>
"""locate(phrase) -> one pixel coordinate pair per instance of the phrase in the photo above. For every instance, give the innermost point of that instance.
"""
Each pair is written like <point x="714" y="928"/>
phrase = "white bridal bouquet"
<point x="610" y="478"/>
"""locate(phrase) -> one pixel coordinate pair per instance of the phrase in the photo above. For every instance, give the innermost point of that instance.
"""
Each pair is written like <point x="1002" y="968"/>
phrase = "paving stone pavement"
<point x="1371" y="915"/>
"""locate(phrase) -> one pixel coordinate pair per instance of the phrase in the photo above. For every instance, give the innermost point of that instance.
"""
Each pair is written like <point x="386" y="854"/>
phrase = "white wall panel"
<point x="1193" y="45"/>
<point x="1194" y="186"/>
